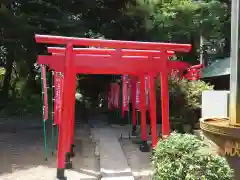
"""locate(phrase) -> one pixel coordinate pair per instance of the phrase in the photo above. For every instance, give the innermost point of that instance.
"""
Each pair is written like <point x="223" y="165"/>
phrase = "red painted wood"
<point x="165" y="100"/>
<point x="126" y="57"/>
<point x="47" y="39"/>
<point x="133" y="99"/>
<point x="153" y="116"/>
<point x="105" y="64"/>
<point x="63" y="126"/>
<point x="97" y="51"/>
<point x="72" y="112"/>
<point x="101" y="64"/>
<point x="143" y="108"/>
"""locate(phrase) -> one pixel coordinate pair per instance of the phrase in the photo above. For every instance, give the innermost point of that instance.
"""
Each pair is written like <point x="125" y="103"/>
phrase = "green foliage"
<point x="16" y="106"/>
<point x="150" y="20"/>
<point x="184" y="21"/>
<point x="192" y="90"/>
<point x="185" y="98"/>
<point x="181" y="18"/>
<point x="184" y="157"/>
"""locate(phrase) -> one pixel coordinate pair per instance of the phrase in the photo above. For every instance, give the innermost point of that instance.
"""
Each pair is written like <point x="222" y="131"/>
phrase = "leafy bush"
<point x="192" y="91"/>
<point x="185" y="98"/>
<point x="185" y="157"/>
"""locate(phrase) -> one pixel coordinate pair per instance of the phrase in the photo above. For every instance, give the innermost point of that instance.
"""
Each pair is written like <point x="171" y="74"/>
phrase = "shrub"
<point x="185" y="157"/>
<point x="185" y="98"/>
<point x="192" y="91"/>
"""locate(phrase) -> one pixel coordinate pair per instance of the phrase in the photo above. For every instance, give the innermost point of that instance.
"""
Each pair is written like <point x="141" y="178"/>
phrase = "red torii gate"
<point x="180" y="65"/>
<point x="119" y="60"/>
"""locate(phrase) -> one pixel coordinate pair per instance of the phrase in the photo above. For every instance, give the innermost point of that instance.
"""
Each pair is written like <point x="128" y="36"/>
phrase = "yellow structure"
<point x="225" y="133"/>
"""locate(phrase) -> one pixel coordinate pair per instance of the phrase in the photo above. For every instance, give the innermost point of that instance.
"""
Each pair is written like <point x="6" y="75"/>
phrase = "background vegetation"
<point x="185" y="100"/>
<point x="205" y="24"/>
<point x="182" y="21"/>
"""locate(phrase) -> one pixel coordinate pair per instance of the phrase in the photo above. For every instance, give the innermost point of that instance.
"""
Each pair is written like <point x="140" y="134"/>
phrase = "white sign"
<point x="215" y="103"/>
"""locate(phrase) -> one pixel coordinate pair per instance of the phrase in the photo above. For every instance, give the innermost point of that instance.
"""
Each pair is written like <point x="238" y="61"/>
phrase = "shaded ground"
<point x="16" y="124"/>
<point x="22" y="157"/>
<point x="138" y="161"/>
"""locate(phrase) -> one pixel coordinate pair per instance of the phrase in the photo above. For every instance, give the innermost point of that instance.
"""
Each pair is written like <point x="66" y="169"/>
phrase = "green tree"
<point x="147" y="20"/>
<point x="183" y="21"/>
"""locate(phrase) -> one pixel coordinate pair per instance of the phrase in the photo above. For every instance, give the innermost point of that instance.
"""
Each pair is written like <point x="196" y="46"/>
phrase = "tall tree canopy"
<point x="182" y="21"/>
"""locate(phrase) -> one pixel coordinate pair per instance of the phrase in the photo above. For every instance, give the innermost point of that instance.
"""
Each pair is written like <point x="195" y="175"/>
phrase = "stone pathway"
<point x="139" y="162"/>
<point x="122" y="156"/>
<point x="113" y="163"/>
<point x="124" y="130"/>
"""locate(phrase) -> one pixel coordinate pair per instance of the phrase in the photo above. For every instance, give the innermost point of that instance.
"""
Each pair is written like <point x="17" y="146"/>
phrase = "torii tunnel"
<point x="124" y="58"/>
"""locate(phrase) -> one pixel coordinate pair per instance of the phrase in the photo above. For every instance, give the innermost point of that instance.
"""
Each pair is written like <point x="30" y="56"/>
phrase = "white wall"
<point x="215" y="103"/>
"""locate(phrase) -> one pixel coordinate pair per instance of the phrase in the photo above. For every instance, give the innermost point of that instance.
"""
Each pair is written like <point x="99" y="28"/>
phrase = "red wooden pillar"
<point x="133" y="96"/>
<point x="63" y="130"/>
<point x="70" y="121"/>
<point x="72" y="116"/>
<point x="165" y="99"/>
<point x="153" y="115"/>
<point x="144" y="146"/>
<point x="143" y="108"/>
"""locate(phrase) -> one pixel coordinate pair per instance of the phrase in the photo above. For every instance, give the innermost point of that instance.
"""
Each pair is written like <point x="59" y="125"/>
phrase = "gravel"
<point x="22" y="157"/>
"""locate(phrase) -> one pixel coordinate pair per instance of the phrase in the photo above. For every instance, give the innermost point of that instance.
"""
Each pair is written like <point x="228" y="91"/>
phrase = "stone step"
<point x="113" y="163"/>
<point x="125" y="131"/>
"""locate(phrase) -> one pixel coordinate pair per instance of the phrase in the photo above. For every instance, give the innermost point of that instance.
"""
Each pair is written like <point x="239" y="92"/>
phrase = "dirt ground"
<point x="22" y="157"/>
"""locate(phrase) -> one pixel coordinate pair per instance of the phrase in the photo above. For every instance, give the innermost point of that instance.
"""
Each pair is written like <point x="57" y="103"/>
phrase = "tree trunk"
<point x="192" y="56"/>
<point x="7" y="76"/>
<point x="227" y="31"/>
<point x="226" y="49"/>
<point x="31" y="84"/>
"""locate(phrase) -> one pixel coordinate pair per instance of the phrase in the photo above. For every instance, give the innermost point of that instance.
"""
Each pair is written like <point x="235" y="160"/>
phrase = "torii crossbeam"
<point x="125" y="57"/>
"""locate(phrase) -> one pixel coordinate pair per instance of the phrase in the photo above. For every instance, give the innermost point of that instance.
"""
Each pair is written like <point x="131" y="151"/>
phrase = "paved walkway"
<point x="139" y="162"/>
<point x="113" y="162"/>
